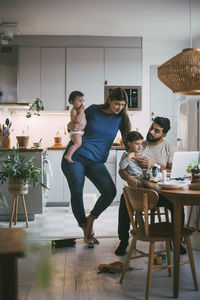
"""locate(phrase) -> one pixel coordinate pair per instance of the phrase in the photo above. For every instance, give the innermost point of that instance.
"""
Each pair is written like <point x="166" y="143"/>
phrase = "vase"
<point x="17" y="186"/>
<point x="195" y="176"/>
<point x="22" y="141"/>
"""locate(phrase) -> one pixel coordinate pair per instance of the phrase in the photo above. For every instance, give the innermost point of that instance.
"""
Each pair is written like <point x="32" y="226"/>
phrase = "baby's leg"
<point x="77" y="140"/>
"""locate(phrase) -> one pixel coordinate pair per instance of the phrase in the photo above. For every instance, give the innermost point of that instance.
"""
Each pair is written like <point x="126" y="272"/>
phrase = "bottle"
<point x="164" y="175"/>
<point x="159" y="176"/>
<point x="155" y="170"/>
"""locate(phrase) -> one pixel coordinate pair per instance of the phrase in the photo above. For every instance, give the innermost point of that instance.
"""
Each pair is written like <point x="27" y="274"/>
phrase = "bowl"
<point x="36" y="145"/>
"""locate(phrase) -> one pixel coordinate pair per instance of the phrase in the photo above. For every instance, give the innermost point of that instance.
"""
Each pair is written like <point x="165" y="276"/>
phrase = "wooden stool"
<point x="14" y="209"/>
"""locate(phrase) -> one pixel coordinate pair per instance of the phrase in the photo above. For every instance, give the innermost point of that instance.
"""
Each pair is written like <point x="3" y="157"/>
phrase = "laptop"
<point x="180" y="162"/>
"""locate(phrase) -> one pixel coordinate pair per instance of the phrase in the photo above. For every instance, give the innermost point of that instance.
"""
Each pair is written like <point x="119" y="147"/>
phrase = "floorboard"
<point x="74" y="276"/>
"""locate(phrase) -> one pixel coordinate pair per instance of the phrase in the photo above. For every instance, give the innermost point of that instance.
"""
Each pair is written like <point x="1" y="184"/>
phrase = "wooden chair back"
<point x="139" y="201"/>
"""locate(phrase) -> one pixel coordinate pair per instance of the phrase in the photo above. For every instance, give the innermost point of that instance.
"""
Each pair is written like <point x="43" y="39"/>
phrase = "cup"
<point x="146" y="173"/>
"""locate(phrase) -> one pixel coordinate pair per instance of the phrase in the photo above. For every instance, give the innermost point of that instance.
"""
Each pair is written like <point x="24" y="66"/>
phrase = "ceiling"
<point x="151" y="19"/>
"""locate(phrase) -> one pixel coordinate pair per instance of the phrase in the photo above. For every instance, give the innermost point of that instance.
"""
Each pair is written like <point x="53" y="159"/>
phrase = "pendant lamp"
<point x="182" y="72"/>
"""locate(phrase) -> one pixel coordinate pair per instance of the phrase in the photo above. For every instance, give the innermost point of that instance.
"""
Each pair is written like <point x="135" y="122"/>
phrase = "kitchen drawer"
<point x="111" y="168"/>
<point x="111" y="156"/>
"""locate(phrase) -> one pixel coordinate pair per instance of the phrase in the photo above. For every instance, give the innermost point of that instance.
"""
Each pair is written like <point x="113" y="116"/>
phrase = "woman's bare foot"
<point x="84" y="232"/>
<point x="89" y="230"/>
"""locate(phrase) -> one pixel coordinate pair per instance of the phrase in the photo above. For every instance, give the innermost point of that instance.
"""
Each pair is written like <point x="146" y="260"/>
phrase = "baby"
<point x="77" y="123"/>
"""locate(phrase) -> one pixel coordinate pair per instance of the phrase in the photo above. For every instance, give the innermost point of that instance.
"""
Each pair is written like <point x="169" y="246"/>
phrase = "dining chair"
<point x="139" y="202"/>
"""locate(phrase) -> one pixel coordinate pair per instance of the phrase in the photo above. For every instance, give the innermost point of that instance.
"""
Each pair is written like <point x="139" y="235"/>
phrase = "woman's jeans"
<point x="98" y="174"/>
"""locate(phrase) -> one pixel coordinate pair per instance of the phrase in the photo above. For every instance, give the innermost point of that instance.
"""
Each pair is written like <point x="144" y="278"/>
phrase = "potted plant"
<point x="194" y="169"/>
<point x="19" y="172"/>
<point x="34" y="109"/>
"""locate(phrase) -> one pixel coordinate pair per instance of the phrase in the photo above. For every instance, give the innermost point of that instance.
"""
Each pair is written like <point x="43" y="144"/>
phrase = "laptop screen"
<point x="180" y="162"/>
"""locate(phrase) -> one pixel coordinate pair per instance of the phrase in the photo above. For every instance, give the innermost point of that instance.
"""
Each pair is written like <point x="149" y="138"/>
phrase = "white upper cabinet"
<point x="85" y="73"/>
<point x="53" y="78"/>
<point x="28" y="74"/>
<point x="123" y="66"/>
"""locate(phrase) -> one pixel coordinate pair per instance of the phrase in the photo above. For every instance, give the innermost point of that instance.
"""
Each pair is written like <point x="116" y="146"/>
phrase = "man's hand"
<point x="134" y="182"/>
<point x="145" y="162"/>
<point x="129" y="179"/>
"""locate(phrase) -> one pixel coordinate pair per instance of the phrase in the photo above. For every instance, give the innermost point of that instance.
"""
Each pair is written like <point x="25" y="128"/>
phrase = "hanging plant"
<point x="35" y="108"/>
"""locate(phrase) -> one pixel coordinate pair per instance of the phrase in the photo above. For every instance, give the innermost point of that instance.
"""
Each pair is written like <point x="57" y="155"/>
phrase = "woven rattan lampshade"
<point x="182" y="72"/>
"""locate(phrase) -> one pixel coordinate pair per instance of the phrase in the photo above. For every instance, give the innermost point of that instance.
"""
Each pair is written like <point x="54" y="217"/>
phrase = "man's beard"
<point x="151" y="139"/>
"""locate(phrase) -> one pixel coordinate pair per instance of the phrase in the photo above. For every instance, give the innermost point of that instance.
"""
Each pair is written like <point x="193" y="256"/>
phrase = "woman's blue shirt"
<point x="100" y="132"/>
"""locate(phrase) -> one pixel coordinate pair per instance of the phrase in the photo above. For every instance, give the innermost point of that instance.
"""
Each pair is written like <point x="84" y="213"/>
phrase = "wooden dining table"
<point x="179" y="197"/>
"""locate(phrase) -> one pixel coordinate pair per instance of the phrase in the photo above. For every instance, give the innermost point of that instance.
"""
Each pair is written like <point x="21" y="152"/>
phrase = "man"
<point x="157" y="151"/>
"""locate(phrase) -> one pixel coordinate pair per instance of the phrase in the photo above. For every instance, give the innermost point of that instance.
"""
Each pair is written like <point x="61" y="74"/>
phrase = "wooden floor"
<point x="74" y="276"/>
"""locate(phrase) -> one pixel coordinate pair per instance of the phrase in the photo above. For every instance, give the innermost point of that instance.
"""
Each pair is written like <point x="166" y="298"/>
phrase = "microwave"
<point x="134" y="94"/>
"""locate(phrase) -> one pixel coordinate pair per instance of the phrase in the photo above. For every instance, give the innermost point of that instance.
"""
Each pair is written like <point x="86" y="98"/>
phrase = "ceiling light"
<point x="182" y="72"/>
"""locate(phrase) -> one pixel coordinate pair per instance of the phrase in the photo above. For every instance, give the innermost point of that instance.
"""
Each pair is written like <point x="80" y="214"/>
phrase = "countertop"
<point x="64" y="147"/>
<point x="24" y="149"/>
<point x="52" y="148"/>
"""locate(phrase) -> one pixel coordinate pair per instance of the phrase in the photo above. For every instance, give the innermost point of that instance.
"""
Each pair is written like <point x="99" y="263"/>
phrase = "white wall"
<point x="44" y="126"/>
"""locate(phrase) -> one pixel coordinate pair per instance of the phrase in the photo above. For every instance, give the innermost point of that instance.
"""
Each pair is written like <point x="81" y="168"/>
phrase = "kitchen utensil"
<point x="7" y="122"/>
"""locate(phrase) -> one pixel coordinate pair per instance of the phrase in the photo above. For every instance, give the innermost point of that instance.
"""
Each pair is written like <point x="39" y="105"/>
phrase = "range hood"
<point x="8" y="76"/>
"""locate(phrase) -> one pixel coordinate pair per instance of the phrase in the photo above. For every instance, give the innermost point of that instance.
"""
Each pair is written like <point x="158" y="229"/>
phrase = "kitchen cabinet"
<point x="59" y="190"/>
<point x="28" y="74"/>
<point x="53" y="73"/>
<point x="123" y="66"/>
<point x="53" y="78"/>
<point x="85" y="73"/>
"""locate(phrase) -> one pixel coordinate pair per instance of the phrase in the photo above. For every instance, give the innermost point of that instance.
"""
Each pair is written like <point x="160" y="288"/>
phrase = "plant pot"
<point x="195" y="176"/>
<point x="5" y="142"/>
<point x="17" y="187"/>
<point x="57" y="140"/>
<point x="22" y="141"/>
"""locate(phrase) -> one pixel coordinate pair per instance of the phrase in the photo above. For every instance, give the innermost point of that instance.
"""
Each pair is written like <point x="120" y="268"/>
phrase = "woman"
<point x="103" y="122"/>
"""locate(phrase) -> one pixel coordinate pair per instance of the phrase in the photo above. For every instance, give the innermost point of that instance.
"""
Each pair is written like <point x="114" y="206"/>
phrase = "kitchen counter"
<point x="24" y="149"/>
<point x="64" y="147"/>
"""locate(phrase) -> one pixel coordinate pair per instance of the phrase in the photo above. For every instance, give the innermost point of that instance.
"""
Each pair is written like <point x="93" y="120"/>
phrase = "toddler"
<point x="77" y="123"/>
<point x="128" y="160"/>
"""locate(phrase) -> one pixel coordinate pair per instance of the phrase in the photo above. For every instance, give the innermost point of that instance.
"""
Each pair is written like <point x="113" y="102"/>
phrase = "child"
<point x="77" y="124"/>
<point x="128" y="160"/>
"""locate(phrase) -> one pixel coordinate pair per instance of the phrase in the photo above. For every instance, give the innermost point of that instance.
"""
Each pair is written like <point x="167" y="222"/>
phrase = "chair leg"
<point x="168" y="257"/>
<point x="130" y="253"/>
<point x="150" y="264"/>
<point x="192" y="265"/>
<point x="25" y="211"/>
<point x="190" y="215"/>
<point x="16" y="209"/>
<point x="166" y="214"/>
<point x="12" y="210"/>
<point x="158" y="214"/>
